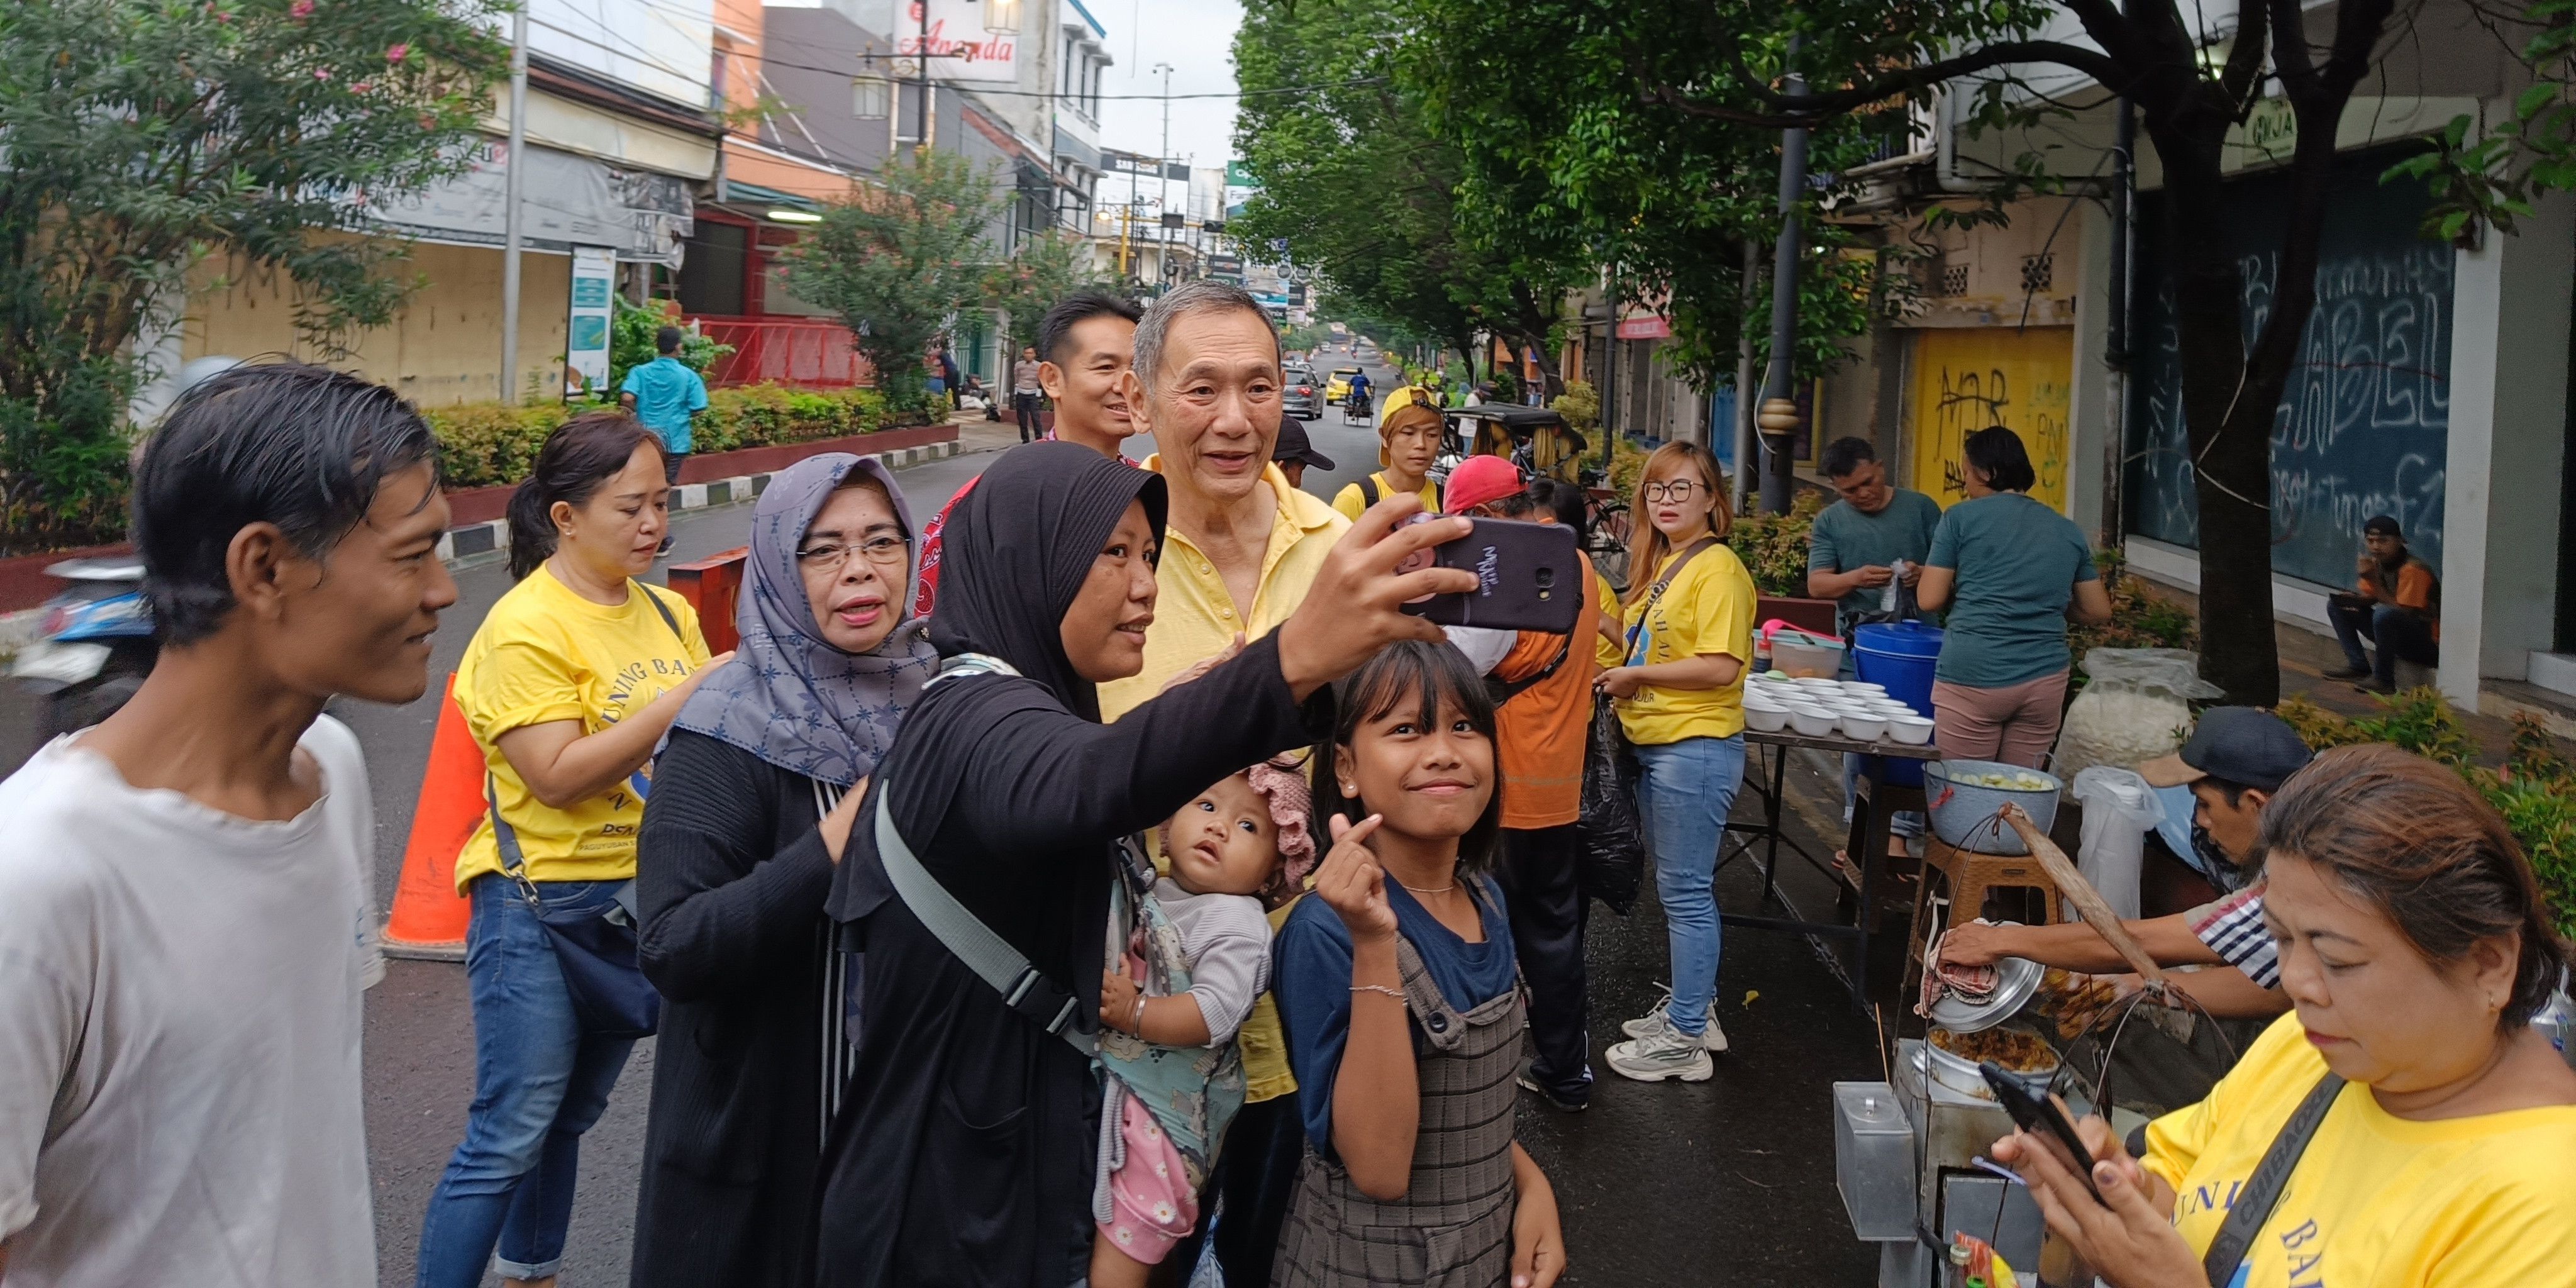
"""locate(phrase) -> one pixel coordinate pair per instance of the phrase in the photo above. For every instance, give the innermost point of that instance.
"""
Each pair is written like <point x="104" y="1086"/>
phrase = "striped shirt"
<point x="2233" y="929"/>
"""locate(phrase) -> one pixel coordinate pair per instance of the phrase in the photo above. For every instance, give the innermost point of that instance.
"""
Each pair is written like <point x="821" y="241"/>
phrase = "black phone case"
<point x="2040" y="1116"/>
<point x="1529" y="576"/>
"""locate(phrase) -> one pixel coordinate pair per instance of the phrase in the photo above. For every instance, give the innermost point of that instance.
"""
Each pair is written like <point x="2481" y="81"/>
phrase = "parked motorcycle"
<point x="94" y="645"/>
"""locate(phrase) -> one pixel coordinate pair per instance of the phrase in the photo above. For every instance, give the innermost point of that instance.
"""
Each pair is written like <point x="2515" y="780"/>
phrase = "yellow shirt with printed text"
<point x="545" y="654"/>
<point x="1708" y="608"/>
<point x="1194" y="620"/>
<point x="2377" y="1201"/>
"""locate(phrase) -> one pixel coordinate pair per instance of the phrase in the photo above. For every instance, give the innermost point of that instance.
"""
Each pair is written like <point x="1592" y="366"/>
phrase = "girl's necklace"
<point x="1430" y="889"/>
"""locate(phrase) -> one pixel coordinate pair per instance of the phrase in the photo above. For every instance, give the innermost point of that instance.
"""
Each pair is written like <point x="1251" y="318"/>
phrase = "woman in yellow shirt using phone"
<point x="568" y="685"/>
<point x="2440" y="1147"/>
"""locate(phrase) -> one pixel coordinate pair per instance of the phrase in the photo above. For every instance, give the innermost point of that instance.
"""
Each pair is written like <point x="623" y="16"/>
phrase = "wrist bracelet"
<point x="1397" y="994"/>
<point x="1136" y="1024"/>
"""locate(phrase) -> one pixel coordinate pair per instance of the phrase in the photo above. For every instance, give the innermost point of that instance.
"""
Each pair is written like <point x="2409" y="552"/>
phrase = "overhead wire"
<point x="638" y="53"/>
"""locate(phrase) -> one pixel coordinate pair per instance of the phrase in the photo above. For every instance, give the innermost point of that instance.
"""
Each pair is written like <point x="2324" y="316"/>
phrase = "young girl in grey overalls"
<point x="1402" y="1007"/>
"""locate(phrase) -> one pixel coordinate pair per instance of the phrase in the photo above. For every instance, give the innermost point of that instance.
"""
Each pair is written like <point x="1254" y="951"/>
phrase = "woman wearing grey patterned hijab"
<point x="752" y="803"/>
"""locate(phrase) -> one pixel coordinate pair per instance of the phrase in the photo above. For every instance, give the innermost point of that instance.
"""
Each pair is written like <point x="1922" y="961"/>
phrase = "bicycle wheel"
<point x="1608" y="543"/>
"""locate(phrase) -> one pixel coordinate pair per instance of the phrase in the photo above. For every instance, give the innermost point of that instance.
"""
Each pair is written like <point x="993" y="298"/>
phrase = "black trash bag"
<point x="1609" y="841"/>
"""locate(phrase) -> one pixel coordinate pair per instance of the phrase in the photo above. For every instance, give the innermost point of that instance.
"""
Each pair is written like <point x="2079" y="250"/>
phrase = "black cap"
<point x="1295" y="447"/>
<point x="2246" y="746"/>
<point x="2381" y="525"/>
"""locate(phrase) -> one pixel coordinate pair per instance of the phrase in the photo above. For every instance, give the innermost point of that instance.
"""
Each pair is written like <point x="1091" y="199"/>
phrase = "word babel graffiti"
<point x="2364" y="426"/>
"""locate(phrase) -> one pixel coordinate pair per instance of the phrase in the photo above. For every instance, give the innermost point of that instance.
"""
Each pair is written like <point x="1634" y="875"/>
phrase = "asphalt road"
<point x="1725" y="1182"/>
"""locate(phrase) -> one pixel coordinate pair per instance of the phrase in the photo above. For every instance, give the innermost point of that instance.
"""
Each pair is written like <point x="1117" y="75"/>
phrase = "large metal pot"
<point x="1964" y="812"/>
<point x="1961" y="1075"/>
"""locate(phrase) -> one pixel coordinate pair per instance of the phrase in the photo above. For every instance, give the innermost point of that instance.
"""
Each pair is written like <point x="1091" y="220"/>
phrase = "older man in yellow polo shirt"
<point x="1240" y="549"/>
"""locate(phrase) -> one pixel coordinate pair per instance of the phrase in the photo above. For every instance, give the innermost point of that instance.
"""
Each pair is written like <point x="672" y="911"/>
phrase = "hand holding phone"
<point x="2044" y="1122"/>
<point x="1529" y="578"/>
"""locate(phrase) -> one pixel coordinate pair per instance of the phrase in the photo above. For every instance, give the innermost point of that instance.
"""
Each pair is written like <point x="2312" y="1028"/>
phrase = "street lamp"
<point x="1002" y="17"/>
<point x="871" y="96"/>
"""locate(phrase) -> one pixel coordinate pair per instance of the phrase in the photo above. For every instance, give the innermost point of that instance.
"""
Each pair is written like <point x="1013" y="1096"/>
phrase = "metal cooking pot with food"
<point x="1952" y="1058"/>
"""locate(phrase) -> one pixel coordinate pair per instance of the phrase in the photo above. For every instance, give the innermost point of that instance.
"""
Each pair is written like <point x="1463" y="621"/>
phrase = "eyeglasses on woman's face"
<point x="887" y="551"/>
<point x="1669" y="490"/>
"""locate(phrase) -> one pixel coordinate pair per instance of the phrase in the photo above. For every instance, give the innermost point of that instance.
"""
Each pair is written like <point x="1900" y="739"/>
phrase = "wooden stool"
<point x="1968" y="876"/>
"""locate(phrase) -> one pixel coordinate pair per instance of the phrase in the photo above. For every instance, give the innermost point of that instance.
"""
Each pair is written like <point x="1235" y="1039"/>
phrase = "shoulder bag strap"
<point x="1023" y="987"/>
<point x="1506" y="690"/>
<point x="1368" y="490"/>
<point x="664" y="610"/>
<point x="2262" y="1190"/>
<point x="1655" y="593"/>
<point x="505" y="838"/>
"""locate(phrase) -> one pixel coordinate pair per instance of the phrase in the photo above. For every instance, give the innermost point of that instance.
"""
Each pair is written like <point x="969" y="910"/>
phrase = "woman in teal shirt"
<point x="2011" y="572"/>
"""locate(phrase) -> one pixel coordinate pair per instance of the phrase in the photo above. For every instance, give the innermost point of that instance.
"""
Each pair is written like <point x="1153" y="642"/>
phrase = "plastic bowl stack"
<point x="1818" y="707"/>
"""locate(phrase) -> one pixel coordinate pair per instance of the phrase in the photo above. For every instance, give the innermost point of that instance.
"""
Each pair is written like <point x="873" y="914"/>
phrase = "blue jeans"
<point x="1685" y="792"/>
<point x="2400" y="633"/>
<point x="539" y="1083"/>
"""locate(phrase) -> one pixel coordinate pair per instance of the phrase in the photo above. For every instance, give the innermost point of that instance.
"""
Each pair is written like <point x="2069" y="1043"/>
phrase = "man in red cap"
<point x="1545" y="687"/>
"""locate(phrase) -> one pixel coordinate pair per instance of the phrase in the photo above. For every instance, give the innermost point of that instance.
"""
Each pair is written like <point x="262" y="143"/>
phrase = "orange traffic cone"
<point x="428" y="920"/>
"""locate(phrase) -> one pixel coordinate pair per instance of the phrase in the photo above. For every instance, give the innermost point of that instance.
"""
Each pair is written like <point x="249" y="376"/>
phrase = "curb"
<point x="480" y="543"/>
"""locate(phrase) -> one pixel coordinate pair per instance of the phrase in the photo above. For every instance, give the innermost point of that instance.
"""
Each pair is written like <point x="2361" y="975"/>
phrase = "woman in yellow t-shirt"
<point x="2416" y="947"/>
<point x="1681" y="699"/>
<point x="571" y="680"/>
<point x="1408" y="441"/>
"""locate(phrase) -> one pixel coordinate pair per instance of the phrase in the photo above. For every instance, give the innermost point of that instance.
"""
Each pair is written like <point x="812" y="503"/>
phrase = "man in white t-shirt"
<point x="185" y="913"/>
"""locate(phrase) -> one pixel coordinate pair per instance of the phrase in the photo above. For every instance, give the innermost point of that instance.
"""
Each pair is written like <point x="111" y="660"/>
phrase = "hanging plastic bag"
<point x="2135" y="707"/>
<point x="2119" y="810"/>
<point x="1609" y="839"/>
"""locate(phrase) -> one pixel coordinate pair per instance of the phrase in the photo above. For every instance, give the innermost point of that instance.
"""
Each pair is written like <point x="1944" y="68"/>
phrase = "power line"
<point x="639" y="54"/>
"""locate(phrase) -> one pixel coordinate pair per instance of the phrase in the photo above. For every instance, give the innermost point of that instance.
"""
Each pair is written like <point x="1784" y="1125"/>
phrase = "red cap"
<point x="1479" y="479"/>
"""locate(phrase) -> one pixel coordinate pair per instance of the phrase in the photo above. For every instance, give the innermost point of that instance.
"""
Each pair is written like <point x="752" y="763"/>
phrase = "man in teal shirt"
<point x="1858" y="545"/>
<point x="1878" y="534"/>
<point x="666" y="395"/>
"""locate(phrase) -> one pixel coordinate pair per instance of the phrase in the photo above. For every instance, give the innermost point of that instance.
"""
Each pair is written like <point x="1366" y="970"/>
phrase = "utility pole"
<point x="1741" y="435"/>
<point x="921" y="47"/>
<point x="1163" y="177"/>
<point x="1779" y="411"/>
<point x="512" y="174"/>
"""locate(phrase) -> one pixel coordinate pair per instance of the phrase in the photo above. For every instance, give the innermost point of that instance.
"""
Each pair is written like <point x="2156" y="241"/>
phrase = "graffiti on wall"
<point x="1968" y="378"/>
<point x="2364" y="426"/>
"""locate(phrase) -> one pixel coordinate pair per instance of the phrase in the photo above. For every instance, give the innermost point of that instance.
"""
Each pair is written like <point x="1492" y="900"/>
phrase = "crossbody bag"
<point x="2262" y="1190"/>
<point x="1042" y="1000"/>
<point x="596" y="951"/>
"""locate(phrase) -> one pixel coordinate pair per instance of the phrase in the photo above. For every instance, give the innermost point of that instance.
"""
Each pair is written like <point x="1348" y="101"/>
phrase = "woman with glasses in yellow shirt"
<point x="1681" y="699"/>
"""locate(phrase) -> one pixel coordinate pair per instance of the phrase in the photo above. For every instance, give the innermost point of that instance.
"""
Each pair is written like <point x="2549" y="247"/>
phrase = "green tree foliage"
<point x="2496" y="175"/>
<point x="631" y="344"/>
<point x="145" y="138"/>
<point x="1046" y="268"/>
<point x="899" y="258"/>
<point x="1643" y="124"/>
<point x="1568" y="150"/>
<point x="1362" y="188"/>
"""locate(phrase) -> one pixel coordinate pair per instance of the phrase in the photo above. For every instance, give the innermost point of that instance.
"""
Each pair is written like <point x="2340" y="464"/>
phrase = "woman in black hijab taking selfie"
<point x="963" y="1150"/>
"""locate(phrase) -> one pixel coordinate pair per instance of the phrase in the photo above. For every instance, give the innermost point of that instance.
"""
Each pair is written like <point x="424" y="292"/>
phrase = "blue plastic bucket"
<point x="1900" y="657"/>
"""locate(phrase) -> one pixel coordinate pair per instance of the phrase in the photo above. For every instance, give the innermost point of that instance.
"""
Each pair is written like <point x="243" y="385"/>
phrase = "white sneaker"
<point x="1664" y="1052"/>
<point x="1712" y="1038"/>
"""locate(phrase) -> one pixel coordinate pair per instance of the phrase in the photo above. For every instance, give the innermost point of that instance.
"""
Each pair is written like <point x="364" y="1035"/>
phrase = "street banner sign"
<point x="594" y="299"/>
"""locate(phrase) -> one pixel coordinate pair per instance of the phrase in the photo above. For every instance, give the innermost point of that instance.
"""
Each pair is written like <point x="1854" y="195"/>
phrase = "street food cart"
<point x="1910" y="1153"/>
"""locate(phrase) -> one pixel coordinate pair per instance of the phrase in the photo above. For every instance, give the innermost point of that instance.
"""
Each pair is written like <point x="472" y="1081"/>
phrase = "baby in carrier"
<point x="1193" y="954"/>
